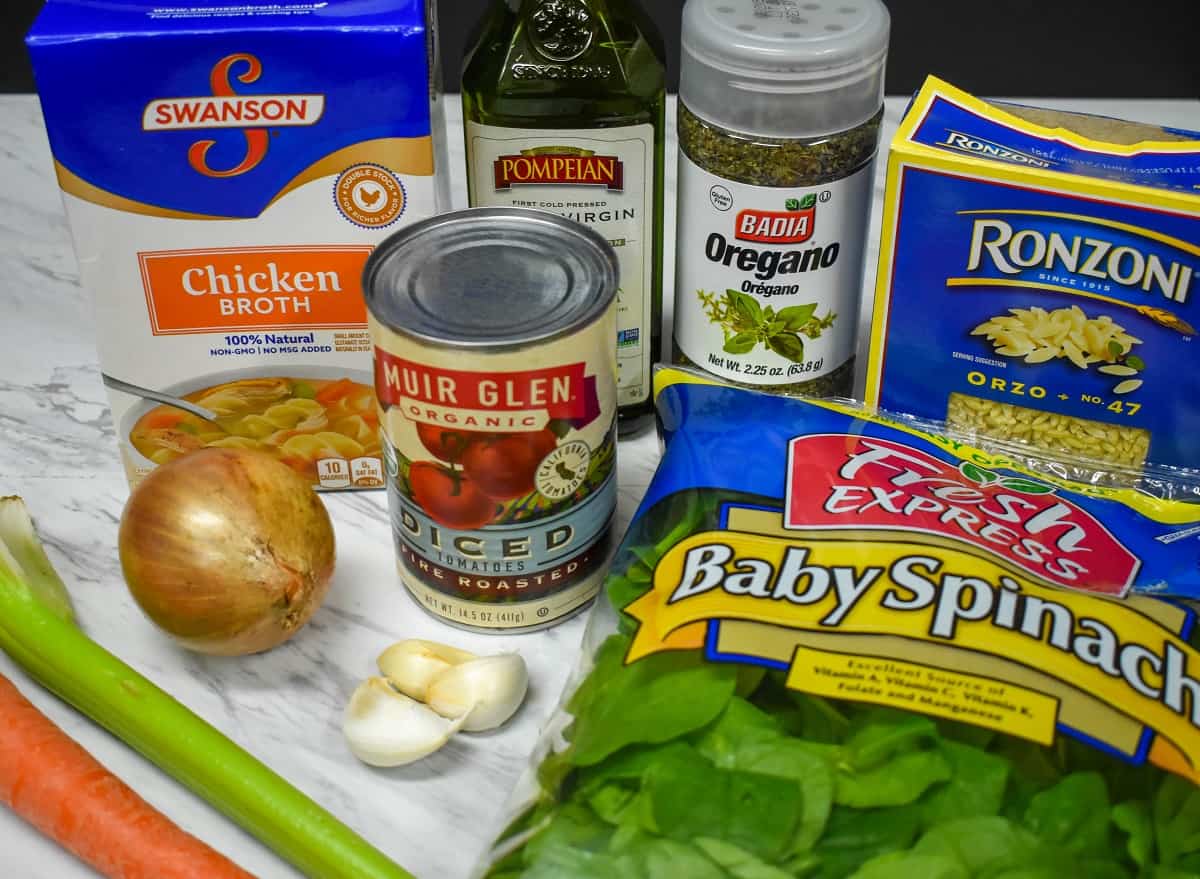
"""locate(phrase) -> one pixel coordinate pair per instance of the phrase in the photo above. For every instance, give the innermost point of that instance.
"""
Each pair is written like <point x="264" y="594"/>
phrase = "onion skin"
<point x="227" y="550"/>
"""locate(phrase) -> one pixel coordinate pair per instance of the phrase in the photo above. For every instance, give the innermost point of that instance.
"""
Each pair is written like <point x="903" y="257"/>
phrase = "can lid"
<point x="490" y="278"/>
<point x="784" y="68"/>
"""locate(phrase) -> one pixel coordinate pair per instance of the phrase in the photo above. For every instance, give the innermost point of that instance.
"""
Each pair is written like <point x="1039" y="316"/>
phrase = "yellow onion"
<point x="227" y="550"/>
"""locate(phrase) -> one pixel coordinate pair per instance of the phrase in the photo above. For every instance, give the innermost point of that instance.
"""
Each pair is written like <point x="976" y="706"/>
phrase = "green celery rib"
<point x="23" y="558"/>
<point x="81" y="672"/>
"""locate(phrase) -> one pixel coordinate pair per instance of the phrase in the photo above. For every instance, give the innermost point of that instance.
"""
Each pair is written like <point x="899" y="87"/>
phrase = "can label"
<point x="768" y="278"/>
<point x="501" y="473"/>
<point x="601" y="177"/>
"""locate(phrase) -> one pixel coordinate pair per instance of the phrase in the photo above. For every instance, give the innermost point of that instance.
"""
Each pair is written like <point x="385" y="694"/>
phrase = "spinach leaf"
<point x="885" y="762"/>
<point x="574" y="826"/>
<point x="664" y="859"/>
<point x="906" y="865"/>
<point x="657" y="699"/>
<point x="815" y="718"/>
<point x="1133" y="818"/>
<point x="624" y="590"/>
<point x="741" y="724"/>
<point x="738" y="862"/>
<point x="983" y="845"/>
<point x="647" y="859"/>
<point x="897" y="782"/>
<point x="564" y="862"/>
<point x="747" y="738"/>
<point x="1073" y="814"/>
<point x="629" y="765"/>
<point x="852" y="837"/>
<point x="1176" y="815"/>
<point x="886" y="734"/>
<point x="750" y="678"/>
<point x="795" y="760"/>
<point x="611" y="802"/>
<point x="976" y="786"/>
<point x="692" y="798"/>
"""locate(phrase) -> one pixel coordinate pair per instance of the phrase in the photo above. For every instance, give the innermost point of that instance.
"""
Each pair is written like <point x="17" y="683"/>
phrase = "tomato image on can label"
<point x="506" y="506"/>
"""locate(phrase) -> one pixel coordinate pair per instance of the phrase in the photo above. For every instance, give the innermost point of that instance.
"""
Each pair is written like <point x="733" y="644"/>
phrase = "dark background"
<point x="1034" y="48"/>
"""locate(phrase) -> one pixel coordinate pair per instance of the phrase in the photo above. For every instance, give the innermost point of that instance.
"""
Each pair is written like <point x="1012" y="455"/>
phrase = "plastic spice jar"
<point x="779" y="113"/>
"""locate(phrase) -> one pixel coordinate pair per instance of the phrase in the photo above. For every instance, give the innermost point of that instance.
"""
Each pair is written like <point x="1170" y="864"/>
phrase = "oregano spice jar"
<point x="780" y="103"/>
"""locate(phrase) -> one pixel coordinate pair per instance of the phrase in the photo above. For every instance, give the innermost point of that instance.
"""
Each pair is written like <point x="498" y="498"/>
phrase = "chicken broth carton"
<point x="1038" y="280"/>
<point x="226" y="169"/>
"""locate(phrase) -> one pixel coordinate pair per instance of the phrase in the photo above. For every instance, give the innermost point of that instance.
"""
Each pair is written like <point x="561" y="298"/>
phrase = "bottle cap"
<point x="784" y="68"/>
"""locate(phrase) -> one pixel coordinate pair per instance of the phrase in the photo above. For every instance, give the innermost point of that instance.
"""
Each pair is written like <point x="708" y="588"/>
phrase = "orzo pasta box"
<point x="1038" y="279"/>
<point x="226" y="169"/>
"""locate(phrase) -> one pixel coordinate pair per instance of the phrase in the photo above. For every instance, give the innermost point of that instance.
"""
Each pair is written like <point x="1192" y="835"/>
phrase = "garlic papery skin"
<point x="483" y="693"/>
<point x="410" y="665"/>
<point x="387" y="728"/>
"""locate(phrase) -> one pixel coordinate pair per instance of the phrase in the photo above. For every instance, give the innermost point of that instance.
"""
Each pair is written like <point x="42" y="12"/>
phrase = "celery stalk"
<point x="23" y="559"/>
<point x="40" y="637"/>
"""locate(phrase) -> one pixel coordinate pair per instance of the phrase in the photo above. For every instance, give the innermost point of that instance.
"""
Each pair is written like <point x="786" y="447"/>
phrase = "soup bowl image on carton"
<point x="226" y="171"/>
<point x="322" y="425"/>
<point x="1038" y="280"/>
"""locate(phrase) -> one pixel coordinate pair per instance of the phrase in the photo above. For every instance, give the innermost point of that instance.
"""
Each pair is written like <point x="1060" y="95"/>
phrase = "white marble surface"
<point x="57" y="449"/>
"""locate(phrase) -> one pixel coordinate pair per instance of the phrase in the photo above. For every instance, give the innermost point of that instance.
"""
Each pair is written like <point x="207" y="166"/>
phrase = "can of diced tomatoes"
<point x="496" y="375"/>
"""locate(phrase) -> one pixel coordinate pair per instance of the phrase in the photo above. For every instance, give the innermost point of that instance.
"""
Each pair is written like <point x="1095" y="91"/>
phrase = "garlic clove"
<point x="482" y="693"/>
<point x="410" y="665"/>
<point x="387" y="728"/>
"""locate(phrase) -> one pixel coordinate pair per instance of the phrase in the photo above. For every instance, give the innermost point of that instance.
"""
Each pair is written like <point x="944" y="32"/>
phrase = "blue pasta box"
<point x="1038" y="280"/>
<point x="226" y="169"/>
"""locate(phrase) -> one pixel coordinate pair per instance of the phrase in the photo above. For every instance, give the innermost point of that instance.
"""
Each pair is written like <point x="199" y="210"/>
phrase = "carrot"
<point x="164" y="419"/>
<point x="333" y="392"/>
<point x="58" y="787"/>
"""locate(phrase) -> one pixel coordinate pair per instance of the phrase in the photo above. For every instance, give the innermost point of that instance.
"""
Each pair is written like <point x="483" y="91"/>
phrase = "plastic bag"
<point x="842" y="647"/>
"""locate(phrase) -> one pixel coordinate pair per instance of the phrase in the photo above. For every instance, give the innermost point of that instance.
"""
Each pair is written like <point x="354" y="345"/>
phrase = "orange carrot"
<point x="58" y="787"/>
<point x="164" y="419"/>
<point x="334" y="391"/>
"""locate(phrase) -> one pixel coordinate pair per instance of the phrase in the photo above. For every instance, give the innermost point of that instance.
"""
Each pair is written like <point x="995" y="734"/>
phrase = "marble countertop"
<point x="57" y="449"/>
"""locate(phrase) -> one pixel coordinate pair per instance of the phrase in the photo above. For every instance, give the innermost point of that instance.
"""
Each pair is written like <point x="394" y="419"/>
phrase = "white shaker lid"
<point x="784" y="68"/>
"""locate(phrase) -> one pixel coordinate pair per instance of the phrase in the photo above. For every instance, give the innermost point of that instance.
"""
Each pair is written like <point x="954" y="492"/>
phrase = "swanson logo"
<point x="793" y="225"/>
<point x="879" y="485"/>
<point x="561" y="166"/>
<point x="253" y="114"/>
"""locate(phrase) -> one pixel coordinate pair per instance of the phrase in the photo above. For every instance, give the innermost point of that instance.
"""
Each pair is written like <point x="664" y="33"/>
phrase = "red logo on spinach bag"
<point x="864" y="483"/>
<point x="793" y="225"/>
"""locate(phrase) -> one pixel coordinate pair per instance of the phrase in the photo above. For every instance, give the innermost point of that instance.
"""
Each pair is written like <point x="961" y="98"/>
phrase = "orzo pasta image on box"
<point x="226" y="171"/>
<point x="1037" y="279"/>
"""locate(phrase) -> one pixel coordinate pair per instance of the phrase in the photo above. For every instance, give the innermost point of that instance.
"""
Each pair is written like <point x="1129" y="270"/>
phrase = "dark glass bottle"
<point x="563" y="104"/>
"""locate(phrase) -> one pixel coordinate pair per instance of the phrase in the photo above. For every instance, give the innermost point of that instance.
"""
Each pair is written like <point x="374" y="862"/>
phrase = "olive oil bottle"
<point x="563" y="103"/>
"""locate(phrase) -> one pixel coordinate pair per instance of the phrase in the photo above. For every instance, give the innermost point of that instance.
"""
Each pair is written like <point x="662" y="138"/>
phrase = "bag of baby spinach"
<point x="835" y="645"/>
